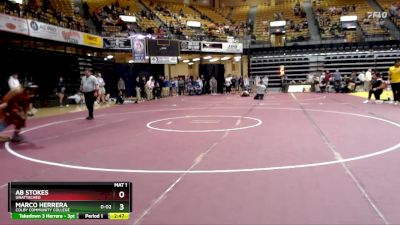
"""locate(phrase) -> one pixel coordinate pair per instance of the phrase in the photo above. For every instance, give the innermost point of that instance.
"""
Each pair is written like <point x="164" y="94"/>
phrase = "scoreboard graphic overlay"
<point x="69" y="200"/>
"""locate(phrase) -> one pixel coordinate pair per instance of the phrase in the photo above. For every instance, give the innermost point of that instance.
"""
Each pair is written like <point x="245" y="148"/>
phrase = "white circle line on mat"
<point x="267" y="97"/>
<point x="150" y="124"/>
<point x="242" y="170"/>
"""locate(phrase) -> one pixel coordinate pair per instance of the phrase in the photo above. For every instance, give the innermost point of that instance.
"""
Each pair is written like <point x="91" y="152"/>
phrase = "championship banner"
<point x="138" y="49"/>
<point x="223" y="47"/>
<point x="92" y="40"/>
<point x="190" y="46"/>
<point x="163" y="60"/>
<point x="44" y="30"/>
<point x="116" y="43"/>
<point x="13" y="24"/>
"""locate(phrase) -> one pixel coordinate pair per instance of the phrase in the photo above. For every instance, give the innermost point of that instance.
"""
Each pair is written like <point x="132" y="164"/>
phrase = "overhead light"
<point x="214" y="60"/>
<point x="130" y="19"/>
<point x="193" y="24"/>
<point x="110" y="57"/>
<point x="105" y="59"/>
<point x="207" y="57"/>
<point x="348" y="18"/>
<point x="280" y="23"/>
<point x="225" y="58"/>
<point x="89" y="54"/>
<point x="190" y="63"/>
<point x="186" y="61"/>
<point x="196" y="59"/>
<point x="130" y="61"/>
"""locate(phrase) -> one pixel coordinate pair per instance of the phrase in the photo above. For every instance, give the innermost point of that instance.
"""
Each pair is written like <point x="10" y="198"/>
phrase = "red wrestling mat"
<point x="290" y="159"/>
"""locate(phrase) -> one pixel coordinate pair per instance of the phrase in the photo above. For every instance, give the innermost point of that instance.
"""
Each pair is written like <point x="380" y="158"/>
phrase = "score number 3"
<point x="121" y="194"/>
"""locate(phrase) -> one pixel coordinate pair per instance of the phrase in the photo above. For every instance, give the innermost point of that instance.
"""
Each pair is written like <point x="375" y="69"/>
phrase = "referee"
<point x="90" y="89"/>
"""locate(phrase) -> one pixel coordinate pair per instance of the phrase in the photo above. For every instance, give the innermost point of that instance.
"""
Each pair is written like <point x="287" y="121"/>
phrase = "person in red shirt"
<point x="14" y="109"/>
<point x="328" y="77"/>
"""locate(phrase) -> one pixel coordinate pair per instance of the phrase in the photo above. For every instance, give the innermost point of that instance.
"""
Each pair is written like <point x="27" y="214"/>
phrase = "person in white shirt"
<point x="77" y="98"/>
<point x="367" y="80"/>
<point x="361" y="76"/>
<point x="102" y="89"/>
<point x="213" y="85"/>
<point x="228" y="85"/>
<point x="246" y="84"/>
<point x="265" y="81"/>
<point x="261" y="88"/>
<point x="200" y="82"/>
<point x="121" y="85"/>
<point x="13" y="82"/>
<point x="149" y="88"/>
<point x="90" y="89"/>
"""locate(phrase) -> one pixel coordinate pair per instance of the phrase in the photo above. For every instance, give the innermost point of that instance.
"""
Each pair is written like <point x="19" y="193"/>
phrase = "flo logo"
<point x="377" y="15"/>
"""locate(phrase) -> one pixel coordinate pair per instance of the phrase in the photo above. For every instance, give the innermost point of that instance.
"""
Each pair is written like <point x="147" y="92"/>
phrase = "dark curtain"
<point x="214" y="70"/>
<point x="129" y="72"/>
<point x="41" y="67"/>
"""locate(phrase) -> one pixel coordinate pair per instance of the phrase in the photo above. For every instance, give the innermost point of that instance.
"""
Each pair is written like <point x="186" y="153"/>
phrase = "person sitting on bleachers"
<point x="366" y="20"/>
<point x="393" y="10"/>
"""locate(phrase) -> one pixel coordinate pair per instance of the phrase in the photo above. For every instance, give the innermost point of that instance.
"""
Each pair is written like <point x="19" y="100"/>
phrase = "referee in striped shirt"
<point x="90" y="89"/>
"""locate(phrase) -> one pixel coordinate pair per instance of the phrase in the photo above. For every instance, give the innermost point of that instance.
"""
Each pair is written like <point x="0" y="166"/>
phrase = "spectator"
<point x="120" y="98"/>
<point x="394" y="76"/>
<point x="157" y="90"/>
<point x="149" y="88"/>
<point x="138" y="90"/>
<point x="377" y="88"/>
<point x="213" y="85"/>
<point x="167" y="87"/>
<point x="143" y="87"/>
<point x="367" y="80"/>
<point x="102" y="89"/>
<point x="228" y="84"/>
<point x="121" y="85"/>
<point x="181" y="86"/>
<point x="337" y="76"/>
<point x="260" y="91"/>
<point x="13" y="82"/>
<point x="61" y="91"/>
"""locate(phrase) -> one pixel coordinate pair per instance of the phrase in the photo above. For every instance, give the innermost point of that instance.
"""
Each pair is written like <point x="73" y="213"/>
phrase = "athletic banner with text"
<point x="13" y="24"/>
<point x="47" y="31"/>
<point x="138" y="49"/>
<point x="116" y="43"/>
<point x="92" y="40"/>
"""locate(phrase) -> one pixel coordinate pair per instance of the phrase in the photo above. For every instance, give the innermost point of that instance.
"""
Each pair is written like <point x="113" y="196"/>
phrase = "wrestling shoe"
<point x="17" y="138"/>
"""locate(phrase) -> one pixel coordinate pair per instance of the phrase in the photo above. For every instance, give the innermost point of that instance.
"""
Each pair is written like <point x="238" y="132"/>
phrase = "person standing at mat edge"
<point x="394" y="77"/>
<point x="90" y="88"/>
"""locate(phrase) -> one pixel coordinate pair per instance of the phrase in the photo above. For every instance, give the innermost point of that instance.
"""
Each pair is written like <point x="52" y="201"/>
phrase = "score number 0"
<point x="121" y="194"/>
